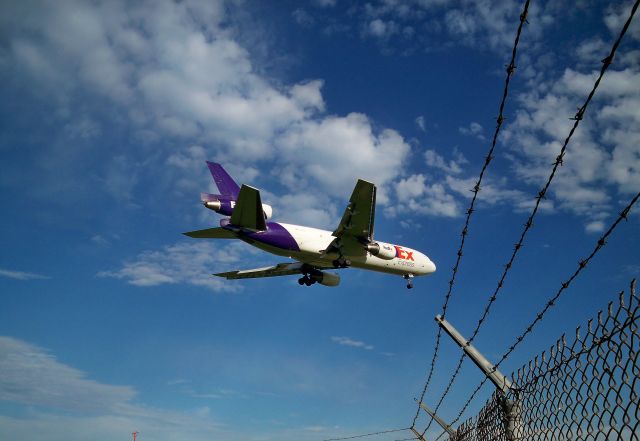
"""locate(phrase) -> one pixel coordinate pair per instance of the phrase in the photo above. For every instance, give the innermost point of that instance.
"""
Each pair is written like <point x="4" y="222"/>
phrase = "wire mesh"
<point x="585" y="389"/>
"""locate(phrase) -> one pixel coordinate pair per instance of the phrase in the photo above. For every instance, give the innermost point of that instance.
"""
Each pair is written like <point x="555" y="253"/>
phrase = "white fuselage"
<point x="312" y="243"/>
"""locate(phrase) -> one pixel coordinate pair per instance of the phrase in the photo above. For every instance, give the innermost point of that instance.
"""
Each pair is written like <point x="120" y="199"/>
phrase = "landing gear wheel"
<point x="409" y="279"/>
<point x="306" y="280"/>
<point x="341" y="263"/>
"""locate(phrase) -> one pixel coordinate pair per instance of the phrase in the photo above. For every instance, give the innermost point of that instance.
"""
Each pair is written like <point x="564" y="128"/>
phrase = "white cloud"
<point x="20" y="275"/>
<point x="616" y="17"/>
<point x="180" y="71"/>
<point x="64" y="404"/>
<point x="347" y="341"/>
<point x="326" y="3"/>
<point x="381" y="29"/>
<point x="341" y="148"/>
<point x="188" y="262"/>
<point x="120" y="179"/>
<point x="421" y="123"/>
<point x="594" y="227"/>
<point x="100" y="240"/>
<point x="474" y="129"/>
<point x="591" y="50"/>
<point x="302" y="17"/>
<point x="624" y="167"/>
<point x="30" y="375"/>
<point x="413" y="194"/>
<point x="411" y="187"/>
<point x="313" y="210"/>
<point x="454" y="166"/>
<point x="602" y="159"/>
<point x="491" y="191"/>
<point x="308" y="95"/>
<point x="460" y="23"/>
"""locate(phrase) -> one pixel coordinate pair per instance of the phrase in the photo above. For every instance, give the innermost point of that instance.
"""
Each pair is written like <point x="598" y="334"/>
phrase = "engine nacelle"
<point x="225" y="205"/>
<point x="213" y="205"/>
<point x="267" y="210"/>
<point x="381" y="250"/>
<point x="326" y="279"/>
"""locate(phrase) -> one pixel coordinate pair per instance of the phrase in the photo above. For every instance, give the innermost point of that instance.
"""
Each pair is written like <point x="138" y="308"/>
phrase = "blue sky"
<point x="110" y="322"/>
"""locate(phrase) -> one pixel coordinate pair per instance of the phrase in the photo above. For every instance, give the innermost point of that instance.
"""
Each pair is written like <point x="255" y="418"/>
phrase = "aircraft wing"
<point x="358" y="218"/>
<point x="281" y="269"/>
<point x="211" y="233"/>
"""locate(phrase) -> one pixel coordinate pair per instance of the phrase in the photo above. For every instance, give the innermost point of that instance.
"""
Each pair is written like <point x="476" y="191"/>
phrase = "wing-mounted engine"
<point x="225" y="204"/>
<point x="382" y="250"/>
<point x="325" y="278"/>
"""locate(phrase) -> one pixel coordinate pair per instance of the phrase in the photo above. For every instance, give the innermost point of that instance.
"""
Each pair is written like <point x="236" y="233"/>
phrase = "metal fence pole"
<point x="510" y="408"/>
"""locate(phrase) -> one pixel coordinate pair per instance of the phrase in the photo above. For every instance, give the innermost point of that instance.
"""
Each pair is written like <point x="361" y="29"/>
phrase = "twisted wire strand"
<point x="582" y="264"/>
<point x="606" y="62"/>
<point x="476" y="189"/>
<point x="365" y="435"/>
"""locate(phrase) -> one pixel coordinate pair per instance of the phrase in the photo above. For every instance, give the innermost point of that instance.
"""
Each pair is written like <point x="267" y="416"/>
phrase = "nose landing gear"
<point x="409" y="279"/>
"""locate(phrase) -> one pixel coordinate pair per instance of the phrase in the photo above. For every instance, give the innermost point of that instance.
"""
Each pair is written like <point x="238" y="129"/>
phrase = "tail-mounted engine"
<point x="225" y="204"/>
<point x="381" y="250"/>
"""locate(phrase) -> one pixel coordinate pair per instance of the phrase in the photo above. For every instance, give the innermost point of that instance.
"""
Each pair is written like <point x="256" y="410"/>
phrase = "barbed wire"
<point x="551" y="302"/>
<point x="365" y="435"/>
<point x="606" y="62"/>
<point x="476" y="189"/>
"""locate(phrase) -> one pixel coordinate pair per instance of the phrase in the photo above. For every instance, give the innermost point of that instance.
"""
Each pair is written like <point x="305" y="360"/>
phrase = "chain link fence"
<point x="583" y="389"/>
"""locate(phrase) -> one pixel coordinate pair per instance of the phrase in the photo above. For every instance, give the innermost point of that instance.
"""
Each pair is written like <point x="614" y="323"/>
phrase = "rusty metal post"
<point x="440" y="421"/>
<point x="496" y="377"/>
<point x="511" y="409"/>
<point x="417" y="434"/>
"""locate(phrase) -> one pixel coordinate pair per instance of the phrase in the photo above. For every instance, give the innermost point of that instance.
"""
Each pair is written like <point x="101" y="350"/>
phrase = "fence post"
<point x="440" y="421"/>
<point x="417" y="434"/>
<point x="511" y="409"/>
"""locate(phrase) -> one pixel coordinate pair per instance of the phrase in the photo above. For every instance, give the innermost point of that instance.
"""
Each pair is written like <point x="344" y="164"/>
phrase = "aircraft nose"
<point x="430" y="266"/>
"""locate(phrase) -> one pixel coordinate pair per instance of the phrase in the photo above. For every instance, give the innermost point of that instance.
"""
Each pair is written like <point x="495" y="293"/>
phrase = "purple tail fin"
<point x="226" y="185"/>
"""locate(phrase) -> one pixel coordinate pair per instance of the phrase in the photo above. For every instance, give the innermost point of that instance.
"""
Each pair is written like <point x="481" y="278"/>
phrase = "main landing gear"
<point x="409" y="279"/>
<point x="341" y="262"/>
<point x="306" y="280"/>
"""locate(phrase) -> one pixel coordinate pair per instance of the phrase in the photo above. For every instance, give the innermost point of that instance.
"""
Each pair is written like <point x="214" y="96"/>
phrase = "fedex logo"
<point x="403" y="254"/>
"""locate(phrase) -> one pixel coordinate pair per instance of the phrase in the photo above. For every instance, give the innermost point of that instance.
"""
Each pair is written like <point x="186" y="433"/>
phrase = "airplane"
<point x="351" y="244"/>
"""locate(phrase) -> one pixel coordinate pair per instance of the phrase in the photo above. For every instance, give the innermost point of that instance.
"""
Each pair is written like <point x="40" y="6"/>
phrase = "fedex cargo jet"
<point x="314" y="250"/>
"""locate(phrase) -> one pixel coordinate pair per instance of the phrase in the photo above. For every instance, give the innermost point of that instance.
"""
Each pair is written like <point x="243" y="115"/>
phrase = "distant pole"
<point x="135" y="434"/>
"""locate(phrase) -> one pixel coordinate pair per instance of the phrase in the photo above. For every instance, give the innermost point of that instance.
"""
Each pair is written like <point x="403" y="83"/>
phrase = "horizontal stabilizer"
<point x="281" y="269"/>
<point x="211" y="233"/>
<point x="248" y="212"/>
